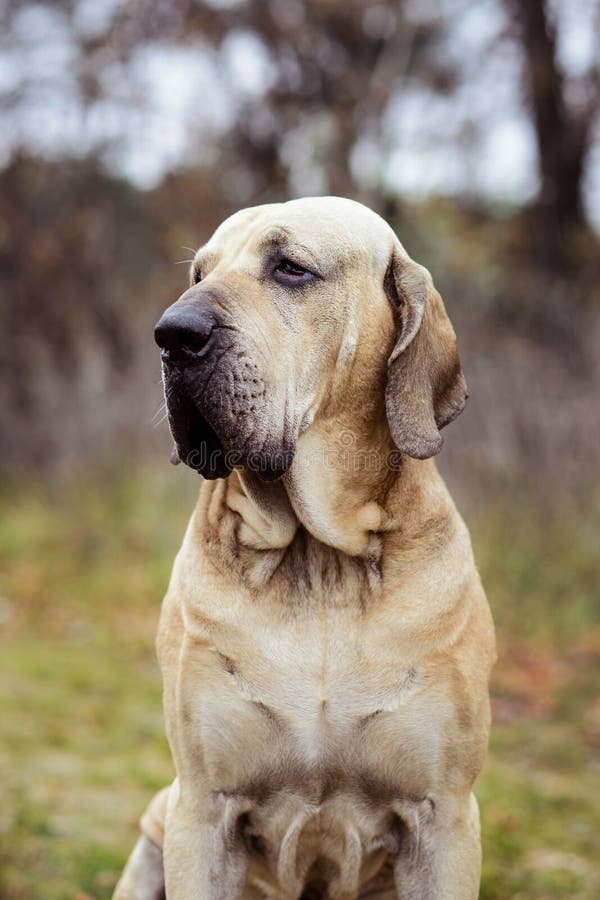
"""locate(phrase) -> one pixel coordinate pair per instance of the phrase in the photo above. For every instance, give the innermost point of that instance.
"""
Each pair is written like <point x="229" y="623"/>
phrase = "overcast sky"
<point x="169" y="105"/>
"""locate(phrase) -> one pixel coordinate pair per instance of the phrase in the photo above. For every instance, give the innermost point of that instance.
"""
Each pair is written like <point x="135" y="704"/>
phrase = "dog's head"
<point x="293" y="308"/>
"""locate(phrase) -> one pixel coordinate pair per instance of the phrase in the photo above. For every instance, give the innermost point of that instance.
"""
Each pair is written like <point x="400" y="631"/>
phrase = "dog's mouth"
<point x="197" y="444"/>
<point x="213" y="438"/>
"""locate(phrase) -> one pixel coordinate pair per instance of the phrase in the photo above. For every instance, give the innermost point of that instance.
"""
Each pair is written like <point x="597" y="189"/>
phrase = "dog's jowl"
<point x="325" y="641"/>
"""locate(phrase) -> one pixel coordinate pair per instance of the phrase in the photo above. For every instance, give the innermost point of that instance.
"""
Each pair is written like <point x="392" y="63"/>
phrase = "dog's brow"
<point x="282" y="239"/>
<point x="273" y="237"/>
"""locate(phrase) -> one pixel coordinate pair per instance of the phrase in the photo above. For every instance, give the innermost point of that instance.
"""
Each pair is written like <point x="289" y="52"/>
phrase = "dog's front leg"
<point x="205" y="853"/>
<point x="143" y="876"/>
<point x="439" y="850"/>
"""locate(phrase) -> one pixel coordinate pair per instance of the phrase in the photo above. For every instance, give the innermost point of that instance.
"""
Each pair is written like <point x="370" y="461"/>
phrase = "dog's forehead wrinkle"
<point x="329" y="226"/>
<point x="274" y="234"/>
<point x="287" y="241"/>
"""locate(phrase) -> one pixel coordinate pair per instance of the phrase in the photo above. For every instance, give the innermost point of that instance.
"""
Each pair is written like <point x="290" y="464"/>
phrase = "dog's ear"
<point x="425" y="386"/>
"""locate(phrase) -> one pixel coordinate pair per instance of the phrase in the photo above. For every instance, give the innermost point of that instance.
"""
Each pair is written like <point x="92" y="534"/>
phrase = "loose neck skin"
<point x="348" y="487"/>
<point x="338" y="485"/>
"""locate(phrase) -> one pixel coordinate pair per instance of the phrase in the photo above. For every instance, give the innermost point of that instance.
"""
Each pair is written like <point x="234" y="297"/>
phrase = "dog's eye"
<point x="289" y="268"/>
<point x="290" y="273"/>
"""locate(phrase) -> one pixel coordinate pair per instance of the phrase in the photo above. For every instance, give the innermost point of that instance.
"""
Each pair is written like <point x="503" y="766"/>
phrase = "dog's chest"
<point x="313" y="675"/>
<point x="303" y="699"/>
<point x="308" y="711"/>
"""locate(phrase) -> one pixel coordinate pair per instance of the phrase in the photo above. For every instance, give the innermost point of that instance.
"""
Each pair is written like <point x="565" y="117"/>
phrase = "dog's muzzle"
<point x="219" y="407"/>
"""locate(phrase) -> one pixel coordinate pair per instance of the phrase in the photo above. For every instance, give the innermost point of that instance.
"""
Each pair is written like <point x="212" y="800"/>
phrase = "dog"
<point x="325" y="641"/>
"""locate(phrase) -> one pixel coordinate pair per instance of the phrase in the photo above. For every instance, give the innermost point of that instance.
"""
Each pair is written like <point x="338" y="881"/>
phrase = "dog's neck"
<point x="347" y="487"/>
<point x="339" y="481"/>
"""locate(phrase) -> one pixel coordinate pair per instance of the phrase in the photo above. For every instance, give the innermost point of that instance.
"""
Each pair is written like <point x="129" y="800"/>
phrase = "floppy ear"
<point x="425" y="387"/>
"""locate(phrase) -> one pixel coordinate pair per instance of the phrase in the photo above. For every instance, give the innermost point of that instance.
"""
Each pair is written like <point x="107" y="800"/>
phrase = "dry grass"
<point x="83" y="567"/>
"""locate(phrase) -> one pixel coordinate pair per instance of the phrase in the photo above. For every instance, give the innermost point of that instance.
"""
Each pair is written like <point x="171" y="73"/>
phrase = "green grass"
<point x="82" y="570"/>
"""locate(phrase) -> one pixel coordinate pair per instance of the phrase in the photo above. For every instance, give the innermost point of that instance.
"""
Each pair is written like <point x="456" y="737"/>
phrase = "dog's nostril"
<point x="183" y="332"/>
<point x="187" y="340"/>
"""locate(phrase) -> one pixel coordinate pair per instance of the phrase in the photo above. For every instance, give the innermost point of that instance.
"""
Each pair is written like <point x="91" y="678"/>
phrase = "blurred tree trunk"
<point x="562" y="134"/>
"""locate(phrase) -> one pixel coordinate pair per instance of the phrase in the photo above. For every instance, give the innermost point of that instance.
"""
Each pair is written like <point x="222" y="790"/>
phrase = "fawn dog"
<point x="325" y="641"/>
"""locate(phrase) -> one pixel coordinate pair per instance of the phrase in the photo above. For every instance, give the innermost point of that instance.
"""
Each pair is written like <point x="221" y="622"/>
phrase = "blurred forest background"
<point x="129" y="130"/>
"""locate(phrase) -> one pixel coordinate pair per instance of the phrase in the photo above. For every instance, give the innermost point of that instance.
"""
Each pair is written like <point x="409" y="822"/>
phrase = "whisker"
<point x="180" y="262"/>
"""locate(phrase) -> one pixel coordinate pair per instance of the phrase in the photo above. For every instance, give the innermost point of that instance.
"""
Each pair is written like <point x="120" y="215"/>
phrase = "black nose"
<point x="182" y="332"/>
